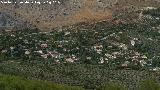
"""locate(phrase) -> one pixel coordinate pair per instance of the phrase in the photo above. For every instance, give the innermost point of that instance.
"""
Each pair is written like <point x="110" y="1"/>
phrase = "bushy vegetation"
<point x="154" y="12"/>
<point x="143" y="85"/>
<point x="112" y="86"/>
<point x="8" y="82"/>
<point x="87" y="76"/>
<point x="149" y="85"/>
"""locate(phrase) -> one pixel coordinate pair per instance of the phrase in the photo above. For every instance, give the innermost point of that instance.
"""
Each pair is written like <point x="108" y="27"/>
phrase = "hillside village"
<point x="86" y="43"/>
<point x="119" y="44"/>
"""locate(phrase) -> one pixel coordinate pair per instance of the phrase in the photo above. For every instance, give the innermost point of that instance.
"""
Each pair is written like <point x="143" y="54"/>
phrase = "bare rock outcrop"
<point x="67" y="12"/>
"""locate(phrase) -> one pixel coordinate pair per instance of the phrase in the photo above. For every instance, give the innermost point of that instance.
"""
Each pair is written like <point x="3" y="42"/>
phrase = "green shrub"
<point x="8" y="82"/>
<point x="112" y="86"/>
<point x="148" y="85"/>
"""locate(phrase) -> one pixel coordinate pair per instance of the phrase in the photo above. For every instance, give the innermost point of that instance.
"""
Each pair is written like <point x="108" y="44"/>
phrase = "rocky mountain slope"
<point x="49" y="16"/>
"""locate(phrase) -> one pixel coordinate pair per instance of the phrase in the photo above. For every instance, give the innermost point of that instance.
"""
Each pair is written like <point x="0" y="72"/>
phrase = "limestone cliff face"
<point x="46" y="16"/>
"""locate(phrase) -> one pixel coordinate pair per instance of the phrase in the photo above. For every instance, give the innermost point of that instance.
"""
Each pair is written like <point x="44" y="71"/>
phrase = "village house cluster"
<point x="121" y="44"/>
<point x="75" y="46"/>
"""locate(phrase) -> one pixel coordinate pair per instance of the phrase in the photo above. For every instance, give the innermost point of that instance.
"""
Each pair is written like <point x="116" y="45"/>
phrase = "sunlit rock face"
<point x="47" y="16"/>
